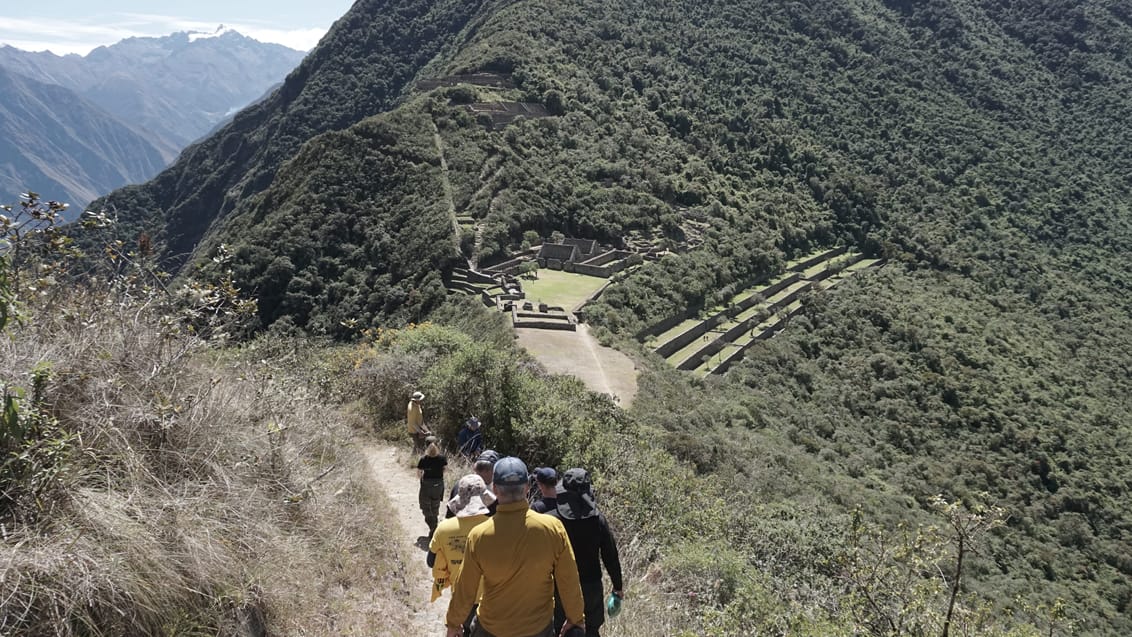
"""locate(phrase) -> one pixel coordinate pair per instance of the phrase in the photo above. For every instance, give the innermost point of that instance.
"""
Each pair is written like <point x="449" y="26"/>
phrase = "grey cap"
<point x="489" y="455"/>
<point x="509" y="472"/>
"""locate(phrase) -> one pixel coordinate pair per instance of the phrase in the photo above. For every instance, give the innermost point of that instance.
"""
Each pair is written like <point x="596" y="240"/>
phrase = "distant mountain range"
<point x="57" y="143"/>
<point x="77" y="126"/>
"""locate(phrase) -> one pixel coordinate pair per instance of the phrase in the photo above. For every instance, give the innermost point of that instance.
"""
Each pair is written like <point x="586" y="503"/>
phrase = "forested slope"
<point x="362" y="65"/>
<point x="981" y="147"/>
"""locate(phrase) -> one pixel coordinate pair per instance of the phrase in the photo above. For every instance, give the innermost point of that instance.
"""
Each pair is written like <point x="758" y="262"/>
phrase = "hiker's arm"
<point x="568" y="583"/>
<point x="431" y="559"/>
<point x="420" y="474"/>
<point x="609" y="555"/>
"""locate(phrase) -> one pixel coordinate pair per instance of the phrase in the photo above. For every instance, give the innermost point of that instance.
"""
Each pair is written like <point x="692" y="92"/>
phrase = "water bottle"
<point x="613" y="605"/>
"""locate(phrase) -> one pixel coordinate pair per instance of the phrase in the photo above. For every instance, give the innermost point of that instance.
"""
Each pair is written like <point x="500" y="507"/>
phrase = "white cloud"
<point x="63" y="37"/>
<point x="59" y="37"/>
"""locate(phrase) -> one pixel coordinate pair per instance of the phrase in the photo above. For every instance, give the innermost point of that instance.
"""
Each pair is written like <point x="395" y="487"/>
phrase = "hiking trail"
<point x="392" y="472"/>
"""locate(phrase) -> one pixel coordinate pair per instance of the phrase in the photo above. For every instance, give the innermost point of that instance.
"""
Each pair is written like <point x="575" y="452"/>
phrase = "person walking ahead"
<point x="591" y="538"/>
<point x="447" y="546"/>
<point x="546" y="479"/>
<point x="430" y="470"/>
<point x="521" y="555"/>
<point x="470" y="438"/>
<point x="414" y="419"/>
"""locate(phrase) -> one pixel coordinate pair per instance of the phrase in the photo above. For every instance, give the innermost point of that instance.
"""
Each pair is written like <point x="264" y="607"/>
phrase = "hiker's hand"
<point x="455" y="632"/>
<point x="619" y="594"/>
<point x="567" y="627"/>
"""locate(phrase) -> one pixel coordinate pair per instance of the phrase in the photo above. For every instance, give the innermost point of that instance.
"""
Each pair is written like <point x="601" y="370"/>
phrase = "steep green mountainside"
<point x="362" y="65"/>
<point x="981" y="147"/>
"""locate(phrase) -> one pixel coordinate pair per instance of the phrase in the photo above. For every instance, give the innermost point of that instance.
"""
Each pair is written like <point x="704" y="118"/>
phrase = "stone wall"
<point x="812" y="261"/>
<point x="692" y="333"/>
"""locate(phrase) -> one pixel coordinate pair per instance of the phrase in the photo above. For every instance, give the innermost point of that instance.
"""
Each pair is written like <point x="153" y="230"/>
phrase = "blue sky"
<point x="77" y="26"/>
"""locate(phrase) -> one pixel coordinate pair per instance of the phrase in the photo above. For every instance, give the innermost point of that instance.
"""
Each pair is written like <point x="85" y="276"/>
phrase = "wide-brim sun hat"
<point x="417" y="396"/>
<point x="575" y="496"/>
<point x="472" y="497"/>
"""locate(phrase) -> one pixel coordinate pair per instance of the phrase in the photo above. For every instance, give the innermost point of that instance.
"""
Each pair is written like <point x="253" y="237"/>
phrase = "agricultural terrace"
<point x="712" y="341"/>
<point x="567" y="290"/>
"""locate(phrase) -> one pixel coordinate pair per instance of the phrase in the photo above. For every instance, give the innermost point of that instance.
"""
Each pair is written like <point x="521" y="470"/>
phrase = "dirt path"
<point x="391" y="470"/>
<point x="602" y="369"/>
<point x="447" y="185"/>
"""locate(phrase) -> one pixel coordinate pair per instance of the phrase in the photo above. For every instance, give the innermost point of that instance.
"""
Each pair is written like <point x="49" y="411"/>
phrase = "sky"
<point x="78" y="26"/>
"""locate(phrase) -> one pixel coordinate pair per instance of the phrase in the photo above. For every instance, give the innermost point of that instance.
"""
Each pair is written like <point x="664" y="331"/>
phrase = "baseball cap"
<point x="509" y="471"/>
<point x="546" y="475"/>
<point x="489" y="455"/>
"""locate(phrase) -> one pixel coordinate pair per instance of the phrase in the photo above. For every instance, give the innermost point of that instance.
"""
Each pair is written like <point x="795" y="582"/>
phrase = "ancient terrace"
<point x="713" y="341"/>
<point x="547" y="285"/>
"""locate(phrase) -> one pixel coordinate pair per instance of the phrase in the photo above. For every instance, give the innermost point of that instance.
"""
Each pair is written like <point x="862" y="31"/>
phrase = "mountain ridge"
<point x="54" y="141"/>
<point x="170" y="88"/>
<point x="167" y="91"/>
<point x="979" y="147"/>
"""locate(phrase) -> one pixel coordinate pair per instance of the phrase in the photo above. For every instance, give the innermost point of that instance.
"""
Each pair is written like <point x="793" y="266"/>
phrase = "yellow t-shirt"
<point x="415" y="416"/>
<point x="520" y="555"/>
<point x="448" y="543"/>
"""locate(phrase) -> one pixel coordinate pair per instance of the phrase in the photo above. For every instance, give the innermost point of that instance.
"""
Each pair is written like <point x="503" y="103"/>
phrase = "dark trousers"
<point x="593" y="595"/>
<point x="430" y="497"/>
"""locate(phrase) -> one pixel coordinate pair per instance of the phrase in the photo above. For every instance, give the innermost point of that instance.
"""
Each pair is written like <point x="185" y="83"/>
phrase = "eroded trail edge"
<point x="391" y="470"/>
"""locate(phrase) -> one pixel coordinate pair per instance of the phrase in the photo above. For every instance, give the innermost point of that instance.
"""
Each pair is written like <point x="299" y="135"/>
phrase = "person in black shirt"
<point x="430" y="470"/>
<point x="591" y="538"/>
<point x="546" y="479"/>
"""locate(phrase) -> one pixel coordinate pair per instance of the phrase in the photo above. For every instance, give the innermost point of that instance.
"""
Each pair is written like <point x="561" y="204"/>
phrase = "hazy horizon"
<point x="69" y="26"/>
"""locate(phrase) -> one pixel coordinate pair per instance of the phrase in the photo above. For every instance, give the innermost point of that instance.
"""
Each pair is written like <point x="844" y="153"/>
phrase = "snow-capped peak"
<point x="200" y="35"/>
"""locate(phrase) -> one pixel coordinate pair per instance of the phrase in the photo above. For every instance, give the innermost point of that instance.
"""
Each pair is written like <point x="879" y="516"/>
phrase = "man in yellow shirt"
<point x="414" y="417"/>
<point x="521" y="556"/>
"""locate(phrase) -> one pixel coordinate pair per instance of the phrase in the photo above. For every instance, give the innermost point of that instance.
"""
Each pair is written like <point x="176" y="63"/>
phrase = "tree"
<point x="888" y="572"/>
<point x="529" y="269"/>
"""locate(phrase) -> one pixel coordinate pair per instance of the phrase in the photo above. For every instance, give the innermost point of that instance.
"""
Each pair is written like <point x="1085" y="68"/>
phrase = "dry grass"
<point x="192" y="491"/>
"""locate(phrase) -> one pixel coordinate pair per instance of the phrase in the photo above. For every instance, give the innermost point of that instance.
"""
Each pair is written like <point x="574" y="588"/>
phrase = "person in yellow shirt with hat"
<point x="414" y="418"/>
<point x="470" y="507"/>
<point x="521" y="556"/>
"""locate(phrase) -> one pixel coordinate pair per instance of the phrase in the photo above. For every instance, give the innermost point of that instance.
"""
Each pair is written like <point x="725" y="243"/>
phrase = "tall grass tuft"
<point x="154" y="484"/>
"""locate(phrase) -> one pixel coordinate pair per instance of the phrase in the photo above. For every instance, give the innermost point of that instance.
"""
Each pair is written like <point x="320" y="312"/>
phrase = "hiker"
<point x="520" y="556"/>
<point x="482" y="467"/>
<point x="546" y="479"/>
<point x="430" y="471"/>
<point x="590" y="538"/>
<point x="470" y="439"/>
<point x="447" y="545"/>
<point x="414" y="417"/>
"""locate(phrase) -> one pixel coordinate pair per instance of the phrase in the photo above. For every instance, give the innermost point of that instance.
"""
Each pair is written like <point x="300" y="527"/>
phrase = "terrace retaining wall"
<point x="812" y="261"/>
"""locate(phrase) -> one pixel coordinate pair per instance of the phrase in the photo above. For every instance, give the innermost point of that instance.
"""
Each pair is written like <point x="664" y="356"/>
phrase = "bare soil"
<point x="393" y="470"/>
<point x="602" y="369"/>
